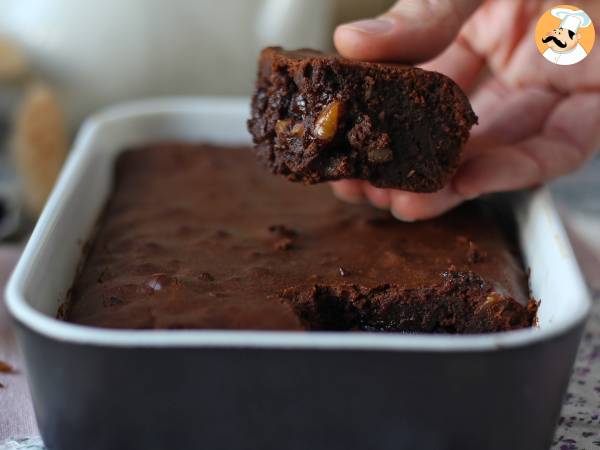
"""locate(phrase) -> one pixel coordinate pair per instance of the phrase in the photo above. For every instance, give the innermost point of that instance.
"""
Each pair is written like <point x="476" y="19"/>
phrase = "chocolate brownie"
<point x="221" y="246"/>
<point x="318" y="117"/>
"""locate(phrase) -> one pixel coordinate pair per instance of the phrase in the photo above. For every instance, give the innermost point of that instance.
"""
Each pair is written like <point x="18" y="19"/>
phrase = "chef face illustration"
<point x="562" y="44"/>
<point x="561" y="40"/>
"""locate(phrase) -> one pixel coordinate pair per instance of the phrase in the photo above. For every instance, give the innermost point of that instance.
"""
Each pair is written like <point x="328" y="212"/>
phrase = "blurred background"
<point x="61" y="60"/>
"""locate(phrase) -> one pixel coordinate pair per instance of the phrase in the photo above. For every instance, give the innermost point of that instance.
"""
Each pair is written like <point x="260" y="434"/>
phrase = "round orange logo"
<point x="565" y="35"/>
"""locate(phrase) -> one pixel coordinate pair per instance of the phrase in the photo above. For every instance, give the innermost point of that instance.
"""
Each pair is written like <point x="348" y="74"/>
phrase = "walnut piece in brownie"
<point x="221" y="246"/>
<point x="318" y="117"/>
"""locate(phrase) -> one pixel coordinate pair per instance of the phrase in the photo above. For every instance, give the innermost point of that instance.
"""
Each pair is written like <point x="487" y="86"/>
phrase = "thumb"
<point x="412" y="31"/>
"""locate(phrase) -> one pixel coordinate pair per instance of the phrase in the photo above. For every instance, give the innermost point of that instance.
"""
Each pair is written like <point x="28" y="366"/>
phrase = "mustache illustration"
<point x="556" y="41"/>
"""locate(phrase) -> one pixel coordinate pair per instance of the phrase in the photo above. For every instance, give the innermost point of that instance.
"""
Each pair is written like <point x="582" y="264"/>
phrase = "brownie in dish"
<point x="318" y="117"/>
<point x="199" y="237"/>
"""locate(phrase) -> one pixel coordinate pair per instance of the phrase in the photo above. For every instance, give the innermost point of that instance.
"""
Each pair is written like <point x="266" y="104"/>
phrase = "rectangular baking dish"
<point x="107" y="389"/>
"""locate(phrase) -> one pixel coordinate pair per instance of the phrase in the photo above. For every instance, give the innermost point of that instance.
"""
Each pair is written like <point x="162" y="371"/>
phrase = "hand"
<point x="537" y="120"/>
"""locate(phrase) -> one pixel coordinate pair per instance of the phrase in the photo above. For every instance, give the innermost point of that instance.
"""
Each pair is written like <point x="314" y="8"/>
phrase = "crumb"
<point x="282" y="230"/>
<point x="205" y="276"/>
<point x="283" y="244"/>
<point x="61" y="313"/>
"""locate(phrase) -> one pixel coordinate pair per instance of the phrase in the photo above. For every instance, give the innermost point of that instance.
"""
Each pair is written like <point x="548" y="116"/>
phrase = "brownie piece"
<point x="318" y="117"/>
<point x="221" y="246"/>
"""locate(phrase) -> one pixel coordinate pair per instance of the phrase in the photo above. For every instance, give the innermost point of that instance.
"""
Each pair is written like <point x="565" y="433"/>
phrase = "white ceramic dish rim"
<point x="59" y="330"/>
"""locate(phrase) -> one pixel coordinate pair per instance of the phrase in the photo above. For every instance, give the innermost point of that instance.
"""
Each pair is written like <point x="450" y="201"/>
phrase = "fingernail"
<point x="400" y="217"/>
<point x="463" y="190"/>
<point x="357" y="200"/>
<point x="371" y="26"/>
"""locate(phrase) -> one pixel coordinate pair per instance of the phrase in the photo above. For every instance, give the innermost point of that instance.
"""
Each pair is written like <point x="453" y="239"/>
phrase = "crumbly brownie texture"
<point x="318" y="117"/>
<point x="198" y="237"/>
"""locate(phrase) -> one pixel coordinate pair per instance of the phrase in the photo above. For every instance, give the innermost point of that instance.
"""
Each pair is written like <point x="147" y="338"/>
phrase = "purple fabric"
<point x="16" y="412"/>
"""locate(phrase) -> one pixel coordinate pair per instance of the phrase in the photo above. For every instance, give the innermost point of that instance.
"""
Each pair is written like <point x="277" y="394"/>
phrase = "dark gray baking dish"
<point x="107" y="389"/>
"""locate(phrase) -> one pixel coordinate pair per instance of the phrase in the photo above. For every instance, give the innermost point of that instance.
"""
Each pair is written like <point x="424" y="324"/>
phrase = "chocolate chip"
<point x="205" y="276"/>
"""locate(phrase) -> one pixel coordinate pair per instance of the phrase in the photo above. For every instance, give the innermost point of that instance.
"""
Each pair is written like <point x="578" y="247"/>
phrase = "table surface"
<point x="579" y="425"/>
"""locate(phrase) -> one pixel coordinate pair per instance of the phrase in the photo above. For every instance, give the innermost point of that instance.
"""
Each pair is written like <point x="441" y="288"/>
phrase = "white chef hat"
<point x="571" y="20"/>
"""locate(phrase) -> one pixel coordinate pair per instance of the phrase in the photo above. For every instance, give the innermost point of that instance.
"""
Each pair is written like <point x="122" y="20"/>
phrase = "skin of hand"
<point x="537" y="120"/>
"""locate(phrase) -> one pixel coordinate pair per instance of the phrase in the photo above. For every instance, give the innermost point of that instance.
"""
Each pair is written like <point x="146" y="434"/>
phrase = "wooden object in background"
<point x="39" y="144"/>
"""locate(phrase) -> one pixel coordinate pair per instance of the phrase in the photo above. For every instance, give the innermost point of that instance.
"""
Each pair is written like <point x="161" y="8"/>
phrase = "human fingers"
<point x="350" y="191"/>
<point x="568" y="138"/>
<point x="460" y="62"/>
<point x="411" y="206"/>
<point x="411" y="31"/>
<point x="378" y="197"/>
<point x="508" y="115"/>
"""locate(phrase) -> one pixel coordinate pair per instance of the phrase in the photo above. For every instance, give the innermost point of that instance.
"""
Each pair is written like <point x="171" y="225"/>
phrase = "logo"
<point x="565" y="35"/>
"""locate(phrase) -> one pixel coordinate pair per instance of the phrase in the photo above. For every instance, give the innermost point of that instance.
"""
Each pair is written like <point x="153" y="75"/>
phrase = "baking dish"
<point x="108" y="389"/>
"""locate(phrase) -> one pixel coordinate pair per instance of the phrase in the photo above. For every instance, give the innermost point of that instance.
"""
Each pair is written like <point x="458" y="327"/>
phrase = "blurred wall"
<point x="98" y="52"/>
